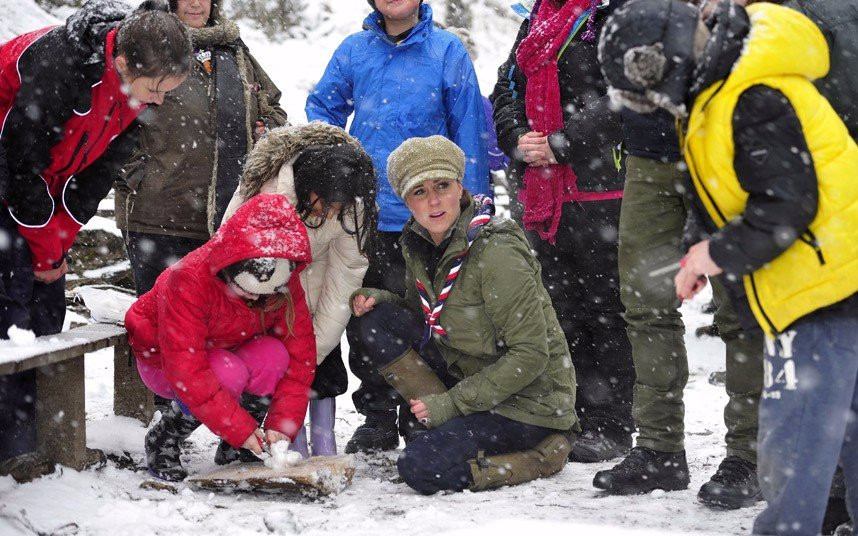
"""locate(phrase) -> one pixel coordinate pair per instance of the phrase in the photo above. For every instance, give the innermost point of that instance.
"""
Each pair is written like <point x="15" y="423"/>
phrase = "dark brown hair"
<point x="155" y="44"/>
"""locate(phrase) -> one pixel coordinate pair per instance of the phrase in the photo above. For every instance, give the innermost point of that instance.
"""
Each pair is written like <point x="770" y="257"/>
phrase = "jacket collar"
<point x="373" y="23"/>
<point x="223" y="32"/>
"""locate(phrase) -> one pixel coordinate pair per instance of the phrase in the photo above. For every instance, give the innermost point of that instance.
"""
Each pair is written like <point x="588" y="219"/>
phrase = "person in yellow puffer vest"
<point x="774" y="181"/>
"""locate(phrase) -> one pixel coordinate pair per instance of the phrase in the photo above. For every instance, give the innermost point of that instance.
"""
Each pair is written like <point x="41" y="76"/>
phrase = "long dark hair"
<point x="339" y="173"/>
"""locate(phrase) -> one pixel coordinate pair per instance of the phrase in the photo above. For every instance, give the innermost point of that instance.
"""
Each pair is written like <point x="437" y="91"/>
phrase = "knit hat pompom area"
<point x="418" y="160"/>
<point x="261" y="275"/>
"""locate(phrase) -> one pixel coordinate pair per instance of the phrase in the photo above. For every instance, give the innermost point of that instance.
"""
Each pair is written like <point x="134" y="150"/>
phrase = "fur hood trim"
<point x="282" y="146"/>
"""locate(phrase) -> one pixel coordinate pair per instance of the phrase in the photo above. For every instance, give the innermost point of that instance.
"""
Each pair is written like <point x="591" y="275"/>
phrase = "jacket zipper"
<point x="100" y="134"/>
<point x="756" y="296"/>
<point x="77" y="149"/>
<point x="810" y="239"/>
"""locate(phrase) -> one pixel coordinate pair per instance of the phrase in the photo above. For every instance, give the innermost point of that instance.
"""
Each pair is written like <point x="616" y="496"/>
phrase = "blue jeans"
<point x="808" y="421"/>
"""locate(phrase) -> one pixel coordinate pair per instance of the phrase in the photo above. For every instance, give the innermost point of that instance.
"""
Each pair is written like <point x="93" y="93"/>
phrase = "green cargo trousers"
<point x="652" y="218"/>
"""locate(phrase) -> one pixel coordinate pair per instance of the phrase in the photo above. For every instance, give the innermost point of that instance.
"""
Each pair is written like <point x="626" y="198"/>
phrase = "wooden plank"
<point x="52" y="349"/>
<point x="61" y="413"/>
<point x="314" y="477"/>
<point x="131" y="397"/>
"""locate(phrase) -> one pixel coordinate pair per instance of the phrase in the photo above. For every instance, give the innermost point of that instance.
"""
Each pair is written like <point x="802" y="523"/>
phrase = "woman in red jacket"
<point x="230" y="319"/>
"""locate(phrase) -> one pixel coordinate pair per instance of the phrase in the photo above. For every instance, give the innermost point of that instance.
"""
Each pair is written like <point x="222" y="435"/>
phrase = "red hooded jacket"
<point x="190" y="311"/>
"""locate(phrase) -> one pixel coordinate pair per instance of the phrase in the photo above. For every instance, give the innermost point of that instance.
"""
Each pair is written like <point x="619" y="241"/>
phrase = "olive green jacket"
<point x="504" y="342"/>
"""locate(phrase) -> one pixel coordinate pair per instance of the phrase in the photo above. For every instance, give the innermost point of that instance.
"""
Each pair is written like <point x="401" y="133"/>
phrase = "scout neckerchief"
<point x="483" y="211"/>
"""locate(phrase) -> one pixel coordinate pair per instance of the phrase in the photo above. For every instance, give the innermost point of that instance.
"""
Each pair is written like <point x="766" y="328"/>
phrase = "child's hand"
<point x="254" y="442"/>
<point x="49" y="276"/>
<point x="362" y="305"/>
<point x="273" y="436"/>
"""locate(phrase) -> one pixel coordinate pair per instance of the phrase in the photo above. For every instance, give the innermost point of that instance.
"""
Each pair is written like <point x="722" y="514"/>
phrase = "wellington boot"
<point x="257" y="406"/>
<point x="412" y="377"/>
<point x="545" y="459"/>
<point x="163" y="443"/>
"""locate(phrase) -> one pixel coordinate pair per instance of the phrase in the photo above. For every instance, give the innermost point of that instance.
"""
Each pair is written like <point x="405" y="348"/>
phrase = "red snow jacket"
<point x="189" y="311"/>
<point x="61" y="106"/>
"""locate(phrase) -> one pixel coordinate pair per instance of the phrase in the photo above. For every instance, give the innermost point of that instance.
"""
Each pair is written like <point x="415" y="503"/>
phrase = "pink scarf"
<point x="546" y="188"/>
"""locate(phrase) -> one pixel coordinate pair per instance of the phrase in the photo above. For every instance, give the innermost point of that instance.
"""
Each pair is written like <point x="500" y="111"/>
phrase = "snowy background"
<point x="108" y="500"/>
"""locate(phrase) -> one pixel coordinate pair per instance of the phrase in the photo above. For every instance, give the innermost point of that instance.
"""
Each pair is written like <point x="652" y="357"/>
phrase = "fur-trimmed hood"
<point x="281" y="147"/>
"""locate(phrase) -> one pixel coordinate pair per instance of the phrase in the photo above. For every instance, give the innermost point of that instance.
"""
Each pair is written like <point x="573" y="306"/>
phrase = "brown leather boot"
<point x="545" y="459"/>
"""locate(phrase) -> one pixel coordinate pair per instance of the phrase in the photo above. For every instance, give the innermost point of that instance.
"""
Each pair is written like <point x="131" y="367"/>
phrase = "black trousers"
<point x="150" y="254"/>
<point x="386" y="271"/>
<point x="438" y="459"/>
<point x="580" y="272"/>
<point x="26" y="304"/>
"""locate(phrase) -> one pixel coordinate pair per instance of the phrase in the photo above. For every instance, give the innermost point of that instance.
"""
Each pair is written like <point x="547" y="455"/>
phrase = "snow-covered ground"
<point x="109" y="500"/>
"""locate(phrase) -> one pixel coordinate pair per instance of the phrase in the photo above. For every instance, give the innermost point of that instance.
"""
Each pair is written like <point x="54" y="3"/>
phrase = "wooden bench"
<point x="60" y="391"/>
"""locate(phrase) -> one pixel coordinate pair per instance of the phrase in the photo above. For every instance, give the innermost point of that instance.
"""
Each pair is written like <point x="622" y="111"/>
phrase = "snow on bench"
<point x="60" y="391"/>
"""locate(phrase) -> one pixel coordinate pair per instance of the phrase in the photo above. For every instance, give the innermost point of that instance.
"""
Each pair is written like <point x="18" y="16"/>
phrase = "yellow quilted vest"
<point x="785" y="51"/>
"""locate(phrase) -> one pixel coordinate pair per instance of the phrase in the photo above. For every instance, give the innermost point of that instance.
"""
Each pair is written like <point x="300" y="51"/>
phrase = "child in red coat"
<point x="230" y="319"/>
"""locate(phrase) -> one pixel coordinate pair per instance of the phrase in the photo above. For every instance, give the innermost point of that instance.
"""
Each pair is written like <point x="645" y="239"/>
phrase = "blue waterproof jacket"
<point x="422" y="86"/>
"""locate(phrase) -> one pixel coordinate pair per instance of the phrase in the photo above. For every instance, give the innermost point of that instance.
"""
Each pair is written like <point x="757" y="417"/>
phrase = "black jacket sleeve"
<point x="774" y="165"/>
<point x="86" y="189"/>
<point x="50" y="84"/>
<point x="510" y="115"/>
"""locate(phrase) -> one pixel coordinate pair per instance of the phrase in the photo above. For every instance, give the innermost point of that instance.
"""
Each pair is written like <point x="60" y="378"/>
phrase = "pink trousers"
<point x="252" y="367"/>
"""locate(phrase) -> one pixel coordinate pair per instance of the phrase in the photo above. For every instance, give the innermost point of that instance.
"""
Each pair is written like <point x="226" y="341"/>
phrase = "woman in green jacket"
<point x="475" y="346"/>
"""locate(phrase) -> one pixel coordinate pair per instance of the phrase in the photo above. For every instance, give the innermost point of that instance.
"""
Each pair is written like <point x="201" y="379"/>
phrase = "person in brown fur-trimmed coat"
<point x="329" y="178"/>
<point x="188" y="161"/>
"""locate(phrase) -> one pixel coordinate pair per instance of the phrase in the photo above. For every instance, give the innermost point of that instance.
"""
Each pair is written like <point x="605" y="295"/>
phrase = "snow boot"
<point x="257" y="406"/>
<point x="163" y="442"/>
<point x="377" y="433"/>
<point x="545" y="459"/>
<point x="300" y="443"/>
<point x="645" y="470"/>
<point x="322" y="440"/>
<point x="734" y="485"/>
<point x="593" y="447"/>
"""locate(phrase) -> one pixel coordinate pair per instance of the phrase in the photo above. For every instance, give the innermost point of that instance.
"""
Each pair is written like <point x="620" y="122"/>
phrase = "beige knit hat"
<point x="421" y="159"/>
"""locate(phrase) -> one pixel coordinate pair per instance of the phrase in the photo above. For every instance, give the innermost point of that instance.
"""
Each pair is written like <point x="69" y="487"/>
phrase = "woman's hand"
<point x="362" y="305"/>
<point x="535" y="149"/>
<point x="419" y="409"/>
<point x="273" y="436"/>
<point x="694" y="268"/>
<point x="254" y="442"/>
<point x="259" y="130"/>
<point x="49" y="276"/>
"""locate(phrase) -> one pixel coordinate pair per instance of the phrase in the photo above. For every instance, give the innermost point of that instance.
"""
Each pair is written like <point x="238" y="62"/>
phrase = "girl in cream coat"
<point x="329" y="178"/>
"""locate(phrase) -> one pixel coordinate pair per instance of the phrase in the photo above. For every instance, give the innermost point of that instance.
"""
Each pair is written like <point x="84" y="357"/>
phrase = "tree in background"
<point x="274" y="17"/>
<point x="459" y="13"/>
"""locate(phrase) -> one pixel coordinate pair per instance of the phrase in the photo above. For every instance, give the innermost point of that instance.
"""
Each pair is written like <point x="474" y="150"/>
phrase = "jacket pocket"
<point x="810" y="239"/>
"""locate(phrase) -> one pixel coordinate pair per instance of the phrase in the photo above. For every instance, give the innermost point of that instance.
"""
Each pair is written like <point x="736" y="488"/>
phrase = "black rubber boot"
<point x="377" y="433"/>
<point x="734" y="485"/>
<point x="163" y="443"/>
<point x="257" y="406"/>
<point x="593" y="447"/>
<point x="645" y="470"/>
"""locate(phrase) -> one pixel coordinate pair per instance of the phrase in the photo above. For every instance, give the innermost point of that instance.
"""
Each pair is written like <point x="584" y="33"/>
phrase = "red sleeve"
<point x="183" y="317"/>
<point x="49" y="244"/>
<point x="289" y="404"/>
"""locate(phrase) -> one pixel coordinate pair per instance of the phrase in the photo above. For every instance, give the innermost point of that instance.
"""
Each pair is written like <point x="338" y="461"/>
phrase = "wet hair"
<point x="340" y="173"/>
<point x="155" y="44"/>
